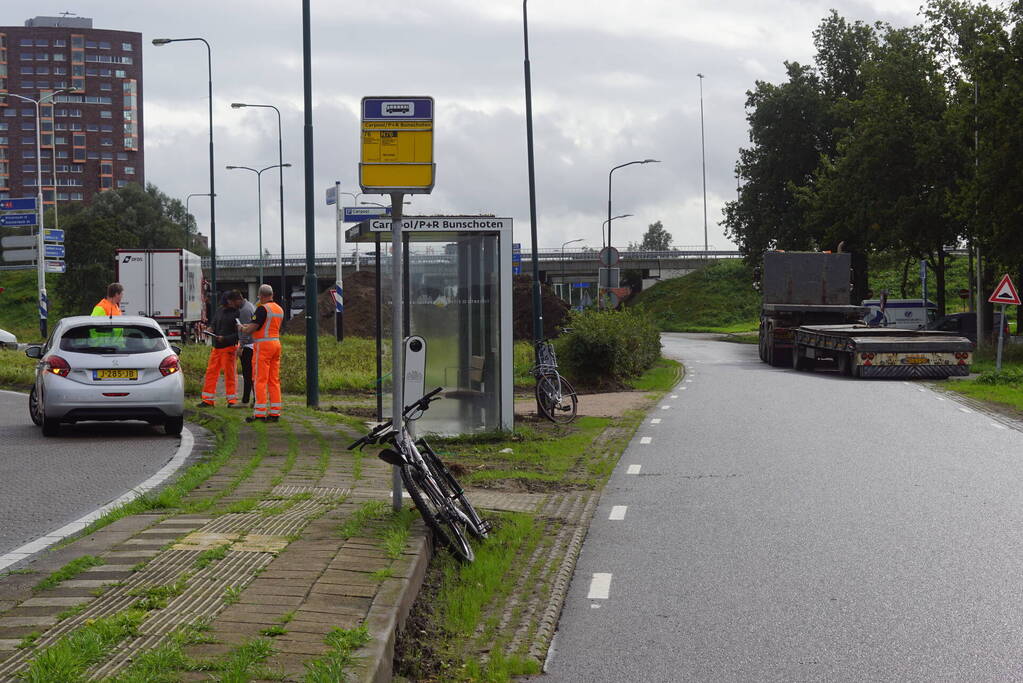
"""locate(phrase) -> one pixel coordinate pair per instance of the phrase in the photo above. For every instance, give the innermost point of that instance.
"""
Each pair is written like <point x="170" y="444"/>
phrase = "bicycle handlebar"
<point x="377" y="434"/>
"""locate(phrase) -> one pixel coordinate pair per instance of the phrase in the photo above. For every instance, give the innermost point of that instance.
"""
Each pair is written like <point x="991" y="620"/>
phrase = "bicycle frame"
<point x="413" y="458"/>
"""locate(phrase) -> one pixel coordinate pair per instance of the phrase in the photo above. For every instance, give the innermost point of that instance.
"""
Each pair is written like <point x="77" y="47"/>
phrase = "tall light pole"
<point x="280" y="177"/>
<point x="703" y="156"/>
<point x="630" y="163"/>
<point x="189" y="198"/>
<point x="44" y="303"/>
<point x="537" y="306"/>
<point x="578" y="239"/>
<point x="213" y="194"/>
<point x="603" y="239"/>
<point x="259" y="204"/>
<point x="312" y="349"/>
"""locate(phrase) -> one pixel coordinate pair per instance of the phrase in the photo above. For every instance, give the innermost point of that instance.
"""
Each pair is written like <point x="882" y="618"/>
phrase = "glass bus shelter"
<point x="458" y="287"/>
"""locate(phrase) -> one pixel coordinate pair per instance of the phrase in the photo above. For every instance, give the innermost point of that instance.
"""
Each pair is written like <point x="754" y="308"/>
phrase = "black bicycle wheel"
<point x="447" y="527"/>
<point x="557" y="398"/>
<point x="453" y="490"/>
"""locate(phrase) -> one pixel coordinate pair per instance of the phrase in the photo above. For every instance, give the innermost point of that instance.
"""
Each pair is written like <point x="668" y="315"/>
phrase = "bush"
<point x="606" y="348"/>
<point x="1008" y="376"/>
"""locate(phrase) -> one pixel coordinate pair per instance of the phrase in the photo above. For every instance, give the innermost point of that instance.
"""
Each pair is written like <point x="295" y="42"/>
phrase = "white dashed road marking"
<point x="673" y="396"/>
<point x="965" y="410"/>
<point x="997" y="426"/>
<point x="633" y="469"/>
<point x="618" y="512"/>
<point x="655" y="421"/>
<point x="939" y="398"/>
<point x="645" y="440"/>
<point x="665" y="407"/>
<point x="600" y="587"/>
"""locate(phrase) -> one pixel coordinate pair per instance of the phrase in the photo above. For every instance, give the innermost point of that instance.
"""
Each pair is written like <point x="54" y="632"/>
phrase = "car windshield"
<point x="113" y="339"/>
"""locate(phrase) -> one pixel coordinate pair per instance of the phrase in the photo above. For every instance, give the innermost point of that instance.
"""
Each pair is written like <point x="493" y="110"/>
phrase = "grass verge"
<point x="68" y="571"/>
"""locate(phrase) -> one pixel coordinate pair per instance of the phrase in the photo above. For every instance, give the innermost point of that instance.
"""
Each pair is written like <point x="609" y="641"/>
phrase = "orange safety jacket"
<point x="271" y="328"/>
<point x="107" y="308"/>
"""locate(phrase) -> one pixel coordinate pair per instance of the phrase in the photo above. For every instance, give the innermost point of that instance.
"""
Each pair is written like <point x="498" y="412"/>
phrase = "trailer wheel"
<point x="799" y="360"/>
<point x="776" y="357"/>
<point x="762" y="344"/>
<point x="844" y="361"/>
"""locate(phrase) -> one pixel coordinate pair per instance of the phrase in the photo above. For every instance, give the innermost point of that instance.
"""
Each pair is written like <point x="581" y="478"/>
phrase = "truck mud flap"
<point x="913" y="371"/>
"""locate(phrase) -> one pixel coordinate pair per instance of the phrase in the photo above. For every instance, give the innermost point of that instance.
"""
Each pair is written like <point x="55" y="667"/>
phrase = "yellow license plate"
<point x="916" y="360"/>
<point x="117" y="374"/>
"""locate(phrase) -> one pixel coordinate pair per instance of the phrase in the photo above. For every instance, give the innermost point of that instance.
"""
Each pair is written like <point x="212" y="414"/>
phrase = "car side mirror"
<point x="176" y="349"/>
<point x="34" y="352"/>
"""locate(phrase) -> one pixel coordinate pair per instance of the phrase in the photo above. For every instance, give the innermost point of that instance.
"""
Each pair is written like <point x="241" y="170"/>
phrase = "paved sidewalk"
<point x="260" y="553"/>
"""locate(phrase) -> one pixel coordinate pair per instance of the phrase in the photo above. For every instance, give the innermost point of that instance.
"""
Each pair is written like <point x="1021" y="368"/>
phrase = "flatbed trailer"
<point x="862" y="351"/>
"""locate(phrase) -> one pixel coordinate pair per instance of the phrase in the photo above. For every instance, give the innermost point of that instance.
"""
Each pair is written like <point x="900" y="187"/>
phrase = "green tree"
<point x="656" y="238"/>
<point x="127" y="218"/>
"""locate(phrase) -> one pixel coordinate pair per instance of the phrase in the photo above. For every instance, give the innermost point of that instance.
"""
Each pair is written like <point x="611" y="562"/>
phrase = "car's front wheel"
<point x="33" y="407"/>
<point x="51" y="427"/>
<point x="173" y="425"/>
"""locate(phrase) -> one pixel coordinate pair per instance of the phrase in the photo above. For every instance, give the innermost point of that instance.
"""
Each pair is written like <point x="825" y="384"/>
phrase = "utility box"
<point x="458" y="288"/>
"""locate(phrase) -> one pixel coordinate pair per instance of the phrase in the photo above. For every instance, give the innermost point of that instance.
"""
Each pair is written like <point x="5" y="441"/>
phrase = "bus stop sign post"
<point x="1004" y="294"/>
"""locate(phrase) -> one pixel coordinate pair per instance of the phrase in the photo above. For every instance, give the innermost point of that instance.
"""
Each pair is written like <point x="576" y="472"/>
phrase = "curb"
<point x="389" y="610"/>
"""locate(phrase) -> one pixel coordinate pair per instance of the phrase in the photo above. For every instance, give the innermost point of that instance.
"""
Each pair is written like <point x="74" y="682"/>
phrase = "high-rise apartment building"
<point x="91" y="133"/>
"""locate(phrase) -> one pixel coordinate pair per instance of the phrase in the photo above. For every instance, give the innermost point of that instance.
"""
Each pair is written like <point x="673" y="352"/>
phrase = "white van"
<point x="906" y="314"/>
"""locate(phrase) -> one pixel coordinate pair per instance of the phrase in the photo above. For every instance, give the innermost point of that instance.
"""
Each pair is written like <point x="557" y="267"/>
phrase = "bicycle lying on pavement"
<point x="439" y="497"/>
<point x="555" y="396"/>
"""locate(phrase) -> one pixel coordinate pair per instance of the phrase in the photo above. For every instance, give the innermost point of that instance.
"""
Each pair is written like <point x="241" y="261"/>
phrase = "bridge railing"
<point x="548" y="255"/>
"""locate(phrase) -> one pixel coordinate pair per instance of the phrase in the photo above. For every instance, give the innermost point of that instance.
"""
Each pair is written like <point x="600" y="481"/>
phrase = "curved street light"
<point x="629" y="163"/>
<point x="259" y="206"/>
<point x="189" y="198"/>
<point x="213" y="195"/>
<point x="603" y="240"/>
<point x="578" y="239"/>
<point x="280" y="161"/>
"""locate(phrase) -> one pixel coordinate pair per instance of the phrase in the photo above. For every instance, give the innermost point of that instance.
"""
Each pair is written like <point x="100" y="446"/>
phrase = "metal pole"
<point x="213" y="193"/>
<point x="312" y="379"/>
<point x="976" y="243"/>
<point x="1001" y="334"/>
<point x="41" y="255"/>
<point x="259" y="218"/>
<point x="397" y="327"/>
<point x="283" y="298"/>
<point x="537" y="306"/>
<point x="339" y="320"/>
<point x="703" y="156"/>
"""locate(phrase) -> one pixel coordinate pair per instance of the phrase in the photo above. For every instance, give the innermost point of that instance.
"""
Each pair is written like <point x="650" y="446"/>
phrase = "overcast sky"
<point x="612" y="82"/>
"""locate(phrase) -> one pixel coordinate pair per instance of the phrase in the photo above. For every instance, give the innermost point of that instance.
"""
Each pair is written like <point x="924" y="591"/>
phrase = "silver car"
<point x="107" y="368"/>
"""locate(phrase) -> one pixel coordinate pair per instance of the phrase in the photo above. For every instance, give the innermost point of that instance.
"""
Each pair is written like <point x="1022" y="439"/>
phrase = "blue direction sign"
<point x="11" y="220"/>
<point x="53" y="251"/>
<point x="516" y="246"/>
<point x="516" y="270"/>
<point x="23" y="204"/>
<point x="357" y="214"/>
<point x="516" y="257"/>
<point x="51" y="235"/>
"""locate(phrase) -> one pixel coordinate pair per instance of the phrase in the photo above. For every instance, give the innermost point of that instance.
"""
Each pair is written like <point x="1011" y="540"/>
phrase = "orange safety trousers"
<point x="221" y="360"/>
<point x="266" y="364"/>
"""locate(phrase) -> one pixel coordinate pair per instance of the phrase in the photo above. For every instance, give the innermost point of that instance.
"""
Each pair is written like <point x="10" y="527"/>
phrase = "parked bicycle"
<point x="438" y="496"/>
<point x="555" y="395"/>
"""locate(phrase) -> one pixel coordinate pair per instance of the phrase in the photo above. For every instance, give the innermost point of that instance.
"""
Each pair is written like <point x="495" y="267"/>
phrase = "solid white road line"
<point x="655" y="421"/>
<point x="176" y="461"/>
<point x="633" y="469"/>
<point x="618" y="512"/>
<point x="645" y="440"/>
<point x="600" y="587"/>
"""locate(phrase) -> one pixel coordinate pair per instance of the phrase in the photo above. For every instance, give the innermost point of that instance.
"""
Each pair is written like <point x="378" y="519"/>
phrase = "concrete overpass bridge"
<point x="560" y="269"/>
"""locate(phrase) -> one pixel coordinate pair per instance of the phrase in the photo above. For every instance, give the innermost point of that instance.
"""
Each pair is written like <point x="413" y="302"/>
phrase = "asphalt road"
<point x="46" y="483"/>
<point x="801" y="526"/>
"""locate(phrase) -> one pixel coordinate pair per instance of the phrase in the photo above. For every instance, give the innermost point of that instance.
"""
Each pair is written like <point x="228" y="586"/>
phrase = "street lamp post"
<point x="578" y="239"/>
<point x="609" y="174"/>
<point x="213" y="195"/>
<point x="355" y="200"/>
<point x="537" y="305"/>
<point x="703" y="156"/>
<point x="603" y="239"/>
<point x="280" y="162"/>
<point x="40" y="246"/>
<point x="188" y="211"/>
<point x="259" y="204"/>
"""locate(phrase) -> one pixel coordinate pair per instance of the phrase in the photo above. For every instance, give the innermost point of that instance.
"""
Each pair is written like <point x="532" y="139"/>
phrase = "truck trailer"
<point x="166" y="285"/>
<point x="809" y="314"/>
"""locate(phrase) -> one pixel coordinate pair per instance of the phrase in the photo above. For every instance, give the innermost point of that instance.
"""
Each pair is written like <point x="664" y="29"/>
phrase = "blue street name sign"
<point x="51" y="235"/>
<point x="23" y="204"/>
<point x="516" y="257"/>
<point x="516" y="246"/>
<point x="516" y="270"/>
<point x="11" y="220"/>
<point x="53" y="251"/>
<point x="357" y="214"/>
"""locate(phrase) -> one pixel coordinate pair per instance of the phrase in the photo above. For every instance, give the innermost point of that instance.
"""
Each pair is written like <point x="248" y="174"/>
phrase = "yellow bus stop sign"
<point x="397" y="145"/>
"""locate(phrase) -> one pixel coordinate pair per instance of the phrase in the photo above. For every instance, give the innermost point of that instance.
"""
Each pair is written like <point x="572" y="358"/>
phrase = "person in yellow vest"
<point x="111" y="304"/>
<point x="265" y="329"/>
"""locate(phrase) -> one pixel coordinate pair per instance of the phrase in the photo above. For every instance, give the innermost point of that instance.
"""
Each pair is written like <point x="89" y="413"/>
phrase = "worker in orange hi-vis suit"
<point x="265" y="329"/>
<point x="222" y="356"/>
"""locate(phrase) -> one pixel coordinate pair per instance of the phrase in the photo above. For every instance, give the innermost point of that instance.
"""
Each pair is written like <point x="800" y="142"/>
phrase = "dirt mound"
<point x="554" y="309"/>
<point x="360" y="308"/>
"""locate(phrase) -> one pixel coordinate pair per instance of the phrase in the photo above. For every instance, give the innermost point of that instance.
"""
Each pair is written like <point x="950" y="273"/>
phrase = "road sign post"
<point x="1004" y="294"/>
<point x="397" y="159"/>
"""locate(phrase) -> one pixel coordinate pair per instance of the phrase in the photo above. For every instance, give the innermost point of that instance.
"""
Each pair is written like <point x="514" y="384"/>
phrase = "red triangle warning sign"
<point x="1005" y="293"/>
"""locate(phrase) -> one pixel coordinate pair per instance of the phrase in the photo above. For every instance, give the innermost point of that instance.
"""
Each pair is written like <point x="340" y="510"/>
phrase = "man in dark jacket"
<point x="222" y="356"/>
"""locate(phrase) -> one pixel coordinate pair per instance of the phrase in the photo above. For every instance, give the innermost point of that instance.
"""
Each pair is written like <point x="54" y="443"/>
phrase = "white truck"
<point x="166" y="285"/>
